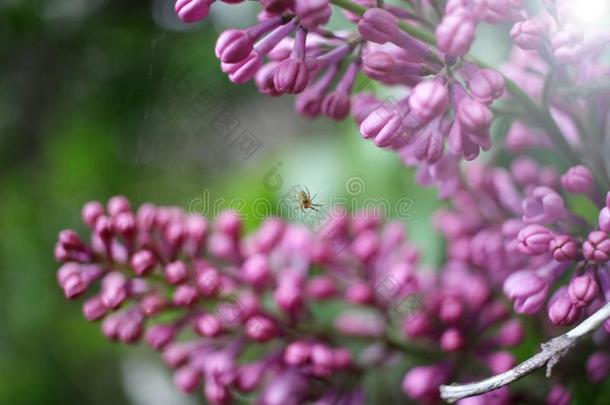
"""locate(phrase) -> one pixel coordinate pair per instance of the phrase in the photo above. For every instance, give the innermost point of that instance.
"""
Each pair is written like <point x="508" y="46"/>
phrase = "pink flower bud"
<point x="313" y="13"/>
<point x="260" y="328"/>
<point x="359" y="293"/>
<point x="94" y="308"/>
<point x="322" y="360"/>
<point x="428" y="100"/>
<point x="378" y="25"/>
<point x="542" y="206"/>
<point x="158" y="336"/>
<point x="233" y="46"/>
<point x="91" y="212"/>
<point x="451" y="310"/>
<point x="291" y="76"/>
<point x="208" y="325"/>
<point x="486" y="85"/>
<point x="452" y="340"/>
<point x="342" y="359"/>
<point x="528" y="35"/>
<point x="561" y="310"/>
<point x="207" y="280"/>
<point x="175" y="354"/>
<point x="455" y="34"/>
<point x="114" y="290"/>
<point x="604" y="219"/>
<point x="563" y="248"/>
<point x="244" y="70"/>
<point x="118" y="204"/>
<point x="583" y="290"/>
<point x="187" y="379"/>
<point x="142" y="262"/>
<point x="384" y="125"/>
<point x="534" y="240"/>
<point x="558" y="395"/>
<point x="185" y="296"/>
<point x="578" y="180"/>
<point x="597" y="247"/>
<point x="474" y="116"/>
<point x="152" y="304"/>
<point x="421" y="383"/>
<point x="256" y="270"/>
<point x="336" y="105"/>
<point x="321" y="288"/>
<point x="297" y="353"/>
<point x="191" y="11"/>
<point x="598" y="366"/>
<point x="527" y="289"/>
<point x="176" y="272"/>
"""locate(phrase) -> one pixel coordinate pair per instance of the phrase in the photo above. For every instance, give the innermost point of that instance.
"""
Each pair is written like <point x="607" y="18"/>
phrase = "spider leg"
<point x="308" y="193"/>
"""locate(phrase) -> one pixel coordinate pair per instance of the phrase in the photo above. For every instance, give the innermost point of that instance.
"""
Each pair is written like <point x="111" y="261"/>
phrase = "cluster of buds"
<point x="203" y="293"/>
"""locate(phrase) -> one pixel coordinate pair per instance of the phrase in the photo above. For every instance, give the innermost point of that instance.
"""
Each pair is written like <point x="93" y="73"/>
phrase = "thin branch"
<point x="552" y="351"/>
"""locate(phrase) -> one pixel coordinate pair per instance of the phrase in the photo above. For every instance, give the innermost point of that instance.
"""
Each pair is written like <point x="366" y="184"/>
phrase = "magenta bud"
<point x="208" y="325"/>
<point x="94" y="308"/>
<point x="104" y="228"/>
<point x="598" y="366"/>
<point x="558" y="395"/>
<point x="207" y="280"/>
<point x="583" y="290"/>
<point x="474" y="116"/>
<point x="216" y="392"/>
<point x="245" y="70"/>
<point x="563" y="248"/>
<point x="289" y="296"/>
<point x="187" y="379"/>
<point x="417" y="323"/>
<point x="527" y="289"/>
<point x="229" y="223"/>
<point x="191" y="11"/>
<point x="114" y="290"/>
<point x="378" y="25"/>
<point x="260" y="328"/>
<point x="110" y="326"/>
<point x="528" y="35"/>
<point x="152" y="304"/>
<point x="185" y="295"/>
<point x="158" y="336"/>
<point x="561" y="310"/>
<point x="359" y="293"/>
<point x="256" y="270"/>
<point x="384" y="125"/>
<point x="175" y="354"/>
<point x="336" y="105"/>
<point x="451" y="310"/>
<point x="534" y="240"/>
<point x="510" y="334"/>
<point x="500" y="362"/>
<point x="543" y="205"/>
<point x="142" y="262"/>
<point x="117" y="205"/>
<point x="176" y="272"/>
<point x="604" y="219"/>
<point x="578" y="180"/>
<point x="321" y="288"/>
<point x="91" y="212"/>
<point x="322" y="360"/>
<point x="313" y="13"/>
<point x="130" y="329"/>
<point x="455" y="34"/>
<point x="421" y="383"/>
<point x="291" y="76"/>
<point x="342" y="358"/>
<point x="297" y="353"/>
<point x="486" y="85"/>
<point x="429" y="100"/>
<point x="250" y="376"/>
<point x="233" y="46"/>
<point x="597" y="247"/>
<point x="452" y="340"/>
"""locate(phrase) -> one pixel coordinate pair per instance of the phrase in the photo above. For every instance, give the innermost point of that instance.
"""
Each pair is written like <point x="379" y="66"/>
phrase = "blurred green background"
<point x="97" y="100"/>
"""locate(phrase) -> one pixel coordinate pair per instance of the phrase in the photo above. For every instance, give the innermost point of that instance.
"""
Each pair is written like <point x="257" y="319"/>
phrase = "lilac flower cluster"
<point x="205" y="295"/>
<point x="239" y="313"/>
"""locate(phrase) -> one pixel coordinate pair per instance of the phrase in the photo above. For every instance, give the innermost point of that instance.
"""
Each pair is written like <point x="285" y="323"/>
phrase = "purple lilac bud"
<point x="583" y="290"/>
<point x="429" y="100"/>
<point x="256" y="270"/>
<point x="261" y="329"/>
<point x="528" y="35"/>
<point x="452" y="340"/>
<point x="176" y="272"/>
<point x="297" y="353"/>
<point x="527" y="289"/>
<point x="187" y="378"/>
<point x="233" y="46"/>
<point x="558" y="395"/>
<point x="561" y="310"/>
<point x="336" y="105"/>
<point x="500" y="362"/>
<point x="208" y="325"/>
<point x="159" y="336"/>
<point x="455" y="34"/>
<point x="543" y="206"/>
<point x="292" y="74"/>
<point x="114" y="289"/>
<point x="604" y="219"/>
<point x="474" y="117"/>
<point x="578" y="180"/>
<point x="597" y="247"/>
<point x="321" y="288"/>
<point x="143" y="261"/>
<point x="564" y="248"/>
<point x="486" y="85"/>
<point x="91" y="212"/>
<point x="378" y="25"/>
<point x="421" y="383"/>
<point x="384" y="125"/>
<point x="598" y="366"/>
<point x="534" y="240"/>
<point x="313" y="13"/>
<point x="191" y="11"/>
<point x="94" y="308"/>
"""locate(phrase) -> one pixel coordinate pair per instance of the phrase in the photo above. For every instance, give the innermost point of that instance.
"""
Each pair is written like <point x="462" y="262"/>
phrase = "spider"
<point x="305" y="200"/>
